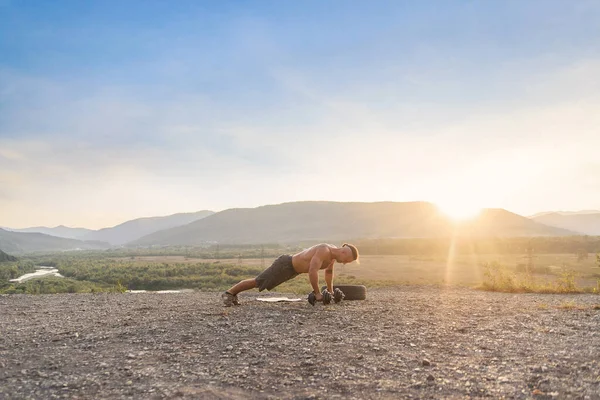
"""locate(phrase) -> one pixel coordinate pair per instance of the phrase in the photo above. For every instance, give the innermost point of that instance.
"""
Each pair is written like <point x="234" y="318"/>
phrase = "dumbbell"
<point x="312" y="298"/>
<point x="338" y="295"/>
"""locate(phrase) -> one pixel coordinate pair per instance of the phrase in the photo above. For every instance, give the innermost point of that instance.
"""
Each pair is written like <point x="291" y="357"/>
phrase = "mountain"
<point x="137" y="228"/>
<point x="499" y="222"/>
<point x="585" y="222"/>
<point x="316" y="221"/>
<point x="5" y="257"/>
<point x="21" y="242"/>
<point x="59" y="231"/>
<point x="582" y="212"/>
<point x="120" y="234"/>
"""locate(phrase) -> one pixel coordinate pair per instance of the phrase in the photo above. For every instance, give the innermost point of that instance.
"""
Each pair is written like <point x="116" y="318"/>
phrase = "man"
<point x="286" y="267"/>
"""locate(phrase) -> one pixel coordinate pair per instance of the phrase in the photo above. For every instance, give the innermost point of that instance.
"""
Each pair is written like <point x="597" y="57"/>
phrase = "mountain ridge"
<point x="321" y="220"/>
<point x="6" y="257"/>
<point x="586" y="223"/>
<point x="121" y="233"/>
<point x="31" y="242"/>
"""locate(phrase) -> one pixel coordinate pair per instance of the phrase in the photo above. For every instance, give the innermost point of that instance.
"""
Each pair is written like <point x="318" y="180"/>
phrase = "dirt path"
<point x="404" y="342"/>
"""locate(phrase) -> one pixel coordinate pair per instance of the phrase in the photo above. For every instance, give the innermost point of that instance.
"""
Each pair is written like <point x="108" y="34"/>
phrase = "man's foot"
<point x="230" y="299"/>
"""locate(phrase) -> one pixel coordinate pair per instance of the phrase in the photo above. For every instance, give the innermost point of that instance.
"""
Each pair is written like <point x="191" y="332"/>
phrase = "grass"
<point x="52" y="285"/>
<point x="571" y="305"/>
<point x="498" y="278"/>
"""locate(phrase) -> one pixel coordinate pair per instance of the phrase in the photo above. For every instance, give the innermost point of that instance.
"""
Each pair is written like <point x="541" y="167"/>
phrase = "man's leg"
<point x="277" y="273"/>
<point x="230" y="296"/>
<point x="246" y="284"/>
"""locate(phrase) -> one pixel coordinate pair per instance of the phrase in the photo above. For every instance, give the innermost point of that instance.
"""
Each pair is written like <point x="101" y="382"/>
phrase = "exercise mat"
<point x="276" y="299"/>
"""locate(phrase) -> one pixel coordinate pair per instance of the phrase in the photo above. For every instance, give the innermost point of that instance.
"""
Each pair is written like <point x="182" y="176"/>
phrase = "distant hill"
<point x="5" y="257"/>
<point x="582" y="212"/>
<point x="122" y="233"/>
<point x="137" y="228"/>
<point x="587" y="222"/>
<point x="499" y="222"/>
<point x="315" y="221"/>
<point x="21" y="242"/>
<point x="59" y="231"/>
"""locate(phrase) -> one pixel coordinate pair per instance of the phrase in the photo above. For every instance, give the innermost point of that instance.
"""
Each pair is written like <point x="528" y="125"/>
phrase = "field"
<point x="407" y="341"/>
<point x="423" y="331"/>
<point x="107" y="271"/>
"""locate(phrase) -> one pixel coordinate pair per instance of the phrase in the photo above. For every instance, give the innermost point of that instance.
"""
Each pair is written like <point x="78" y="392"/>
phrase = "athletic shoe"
<point x="229" y="299"/>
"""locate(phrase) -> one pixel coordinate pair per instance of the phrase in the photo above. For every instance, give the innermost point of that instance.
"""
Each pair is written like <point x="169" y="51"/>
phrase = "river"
<point x="44" y="271"/>
<point x="40" y="272"/>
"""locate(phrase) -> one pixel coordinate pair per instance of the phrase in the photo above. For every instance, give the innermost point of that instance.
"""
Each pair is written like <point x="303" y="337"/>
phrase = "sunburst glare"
<point x="459" y="210"/>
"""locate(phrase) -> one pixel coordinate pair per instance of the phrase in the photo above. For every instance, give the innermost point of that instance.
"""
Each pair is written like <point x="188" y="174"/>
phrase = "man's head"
<point x="349" y="253"/>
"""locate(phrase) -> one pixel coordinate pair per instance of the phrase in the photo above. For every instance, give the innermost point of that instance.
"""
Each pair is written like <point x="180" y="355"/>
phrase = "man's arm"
<point x="313" y="272"/>
<point x="329" y="277"/>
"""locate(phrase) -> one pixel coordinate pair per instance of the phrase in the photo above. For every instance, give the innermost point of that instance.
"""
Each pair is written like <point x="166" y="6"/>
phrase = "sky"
<point x="113" y="110"/>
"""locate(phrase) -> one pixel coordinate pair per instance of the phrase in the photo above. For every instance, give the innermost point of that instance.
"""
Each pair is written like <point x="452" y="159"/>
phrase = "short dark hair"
<point x="354" y="250"/>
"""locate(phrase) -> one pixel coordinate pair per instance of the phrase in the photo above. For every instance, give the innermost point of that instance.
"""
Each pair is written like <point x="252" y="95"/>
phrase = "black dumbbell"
<point x="312" y="298"/>
<point x="338" y="295"/>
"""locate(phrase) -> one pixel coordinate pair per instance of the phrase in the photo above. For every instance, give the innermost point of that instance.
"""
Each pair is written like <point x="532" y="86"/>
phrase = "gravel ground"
<point x="402" y="342"/>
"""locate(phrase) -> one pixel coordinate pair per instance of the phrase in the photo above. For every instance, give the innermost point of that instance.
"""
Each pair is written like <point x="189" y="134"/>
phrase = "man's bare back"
<point x="302" y="260"/>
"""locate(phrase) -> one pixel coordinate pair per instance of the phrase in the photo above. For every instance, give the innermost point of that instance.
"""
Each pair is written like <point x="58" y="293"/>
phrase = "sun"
<point x="459" y="210"/>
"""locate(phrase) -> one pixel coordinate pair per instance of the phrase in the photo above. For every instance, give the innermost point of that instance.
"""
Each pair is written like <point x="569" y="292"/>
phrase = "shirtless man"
<point x="286" y="267"/>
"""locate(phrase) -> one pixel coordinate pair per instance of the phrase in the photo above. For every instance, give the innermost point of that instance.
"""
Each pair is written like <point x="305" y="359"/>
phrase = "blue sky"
<point x="116" y="110"/>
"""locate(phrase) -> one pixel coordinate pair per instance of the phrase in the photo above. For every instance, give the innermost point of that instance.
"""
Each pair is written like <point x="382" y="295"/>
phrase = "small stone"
<point x="129" y="383"/>
<point x="426" y="363"/>
<point x="430" y="378"/>
<point x="130" y="355"/>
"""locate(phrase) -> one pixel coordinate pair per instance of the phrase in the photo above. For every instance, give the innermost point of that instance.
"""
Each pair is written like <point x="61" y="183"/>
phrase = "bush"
<point x="497" y="278"/>
<point x="50" y="285"/>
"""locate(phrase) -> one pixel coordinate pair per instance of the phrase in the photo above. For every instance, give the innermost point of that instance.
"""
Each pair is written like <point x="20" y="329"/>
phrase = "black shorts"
<point x="280" y="271"/>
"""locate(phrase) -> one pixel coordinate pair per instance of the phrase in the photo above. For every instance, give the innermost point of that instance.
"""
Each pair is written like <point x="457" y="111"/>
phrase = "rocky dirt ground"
<point x="402" y="342"/>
